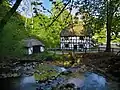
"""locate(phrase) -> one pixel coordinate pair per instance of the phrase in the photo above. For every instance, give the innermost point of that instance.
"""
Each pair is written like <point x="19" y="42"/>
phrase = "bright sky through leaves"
<point x="25" y="8"/>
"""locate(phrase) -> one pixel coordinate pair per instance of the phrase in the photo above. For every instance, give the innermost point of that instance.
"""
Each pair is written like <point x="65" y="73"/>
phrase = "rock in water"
<point x="77" y="82"/>
<point x="94" y="82"/>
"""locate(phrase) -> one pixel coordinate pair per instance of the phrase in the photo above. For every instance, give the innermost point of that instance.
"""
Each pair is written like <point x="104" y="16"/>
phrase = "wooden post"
<point x="112" y="49"/>
<point x="85" y="49"/>
<point x="98" y="49"/>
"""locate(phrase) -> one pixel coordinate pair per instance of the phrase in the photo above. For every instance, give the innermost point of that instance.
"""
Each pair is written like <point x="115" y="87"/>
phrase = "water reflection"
<point x="77" y="82"/>
<point x="10" y="84"/>
<point x="94" y="82"/>
<point x="26" y="80"/>
<point x="28" y="83"/>
<point x="91" y="81"/>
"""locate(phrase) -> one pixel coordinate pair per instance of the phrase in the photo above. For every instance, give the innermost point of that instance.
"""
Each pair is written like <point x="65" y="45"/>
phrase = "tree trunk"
<point x="108" y="26"/>
<point x="108" y="45"/>
<point x="9" y="14"/>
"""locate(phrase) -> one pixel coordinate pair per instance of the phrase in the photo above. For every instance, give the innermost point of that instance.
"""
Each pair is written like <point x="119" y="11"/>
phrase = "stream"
<point x="83" y="81"/>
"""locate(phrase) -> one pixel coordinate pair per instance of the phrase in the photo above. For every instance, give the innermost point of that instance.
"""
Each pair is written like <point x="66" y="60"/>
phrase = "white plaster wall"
<point x="30" y="50"/>
<point x="42" y="49"/>
<point x="86" y="42"/>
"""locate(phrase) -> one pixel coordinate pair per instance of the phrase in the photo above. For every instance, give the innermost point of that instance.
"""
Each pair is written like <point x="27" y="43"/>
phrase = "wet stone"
<point x="48" y="85"/>
<point x="17" y="69"/>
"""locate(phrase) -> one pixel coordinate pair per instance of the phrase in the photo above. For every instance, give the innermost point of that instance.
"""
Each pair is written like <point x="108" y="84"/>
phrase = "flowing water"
<point x="86" y="81"/>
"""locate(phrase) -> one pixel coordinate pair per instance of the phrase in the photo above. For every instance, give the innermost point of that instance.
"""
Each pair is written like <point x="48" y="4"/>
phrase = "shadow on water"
<point x="91" y="81"/>
<point x="21" y="83"/>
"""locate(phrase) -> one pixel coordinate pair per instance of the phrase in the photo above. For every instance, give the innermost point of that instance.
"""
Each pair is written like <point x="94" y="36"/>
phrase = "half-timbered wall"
<point x="75" y="42"/>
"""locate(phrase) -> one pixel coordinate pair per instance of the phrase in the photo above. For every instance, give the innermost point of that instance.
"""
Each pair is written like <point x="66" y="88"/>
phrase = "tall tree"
<point x="112" y="6"/>
<point x="97" y="13"/>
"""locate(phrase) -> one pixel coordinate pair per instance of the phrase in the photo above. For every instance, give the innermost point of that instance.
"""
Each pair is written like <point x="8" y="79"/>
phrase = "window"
<point x="75" y="47"/>
<point x="81" y="38"/>
<point x="81" y="46"/>
<point x="66" y="45"/>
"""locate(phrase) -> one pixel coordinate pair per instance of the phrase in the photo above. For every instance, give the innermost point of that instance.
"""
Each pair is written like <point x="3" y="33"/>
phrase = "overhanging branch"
<point x="6" y="18"/>
<point x="59" y="14"/>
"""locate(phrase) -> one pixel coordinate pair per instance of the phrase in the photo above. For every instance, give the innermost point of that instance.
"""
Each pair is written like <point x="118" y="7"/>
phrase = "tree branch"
<point x="9" y="14"/>
<point x="116" y="7"/>
<point x="59" y="14"/>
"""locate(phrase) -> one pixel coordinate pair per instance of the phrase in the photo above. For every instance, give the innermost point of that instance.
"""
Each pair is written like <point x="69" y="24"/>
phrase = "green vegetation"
<point x="12" y="34"/>
<point x="95" y="25"/>
<point x="14" y="31"/>
<point x="100" y="15"/>
<point x="50" y="35"/>
<point x="45" y="72"/>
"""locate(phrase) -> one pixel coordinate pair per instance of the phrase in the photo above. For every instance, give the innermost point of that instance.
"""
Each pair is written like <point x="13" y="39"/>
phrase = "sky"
<point x="26" y="10"/>
<point x="25" y="7"/>
<point x="47" y="4"/>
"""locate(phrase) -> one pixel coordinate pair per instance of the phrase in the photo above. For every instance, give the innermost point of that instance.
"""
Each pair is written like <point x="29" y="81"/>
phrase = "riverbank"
<point x="105" y="63"/>
<point x="90" y="62"/>
<point x="60" y="78"/>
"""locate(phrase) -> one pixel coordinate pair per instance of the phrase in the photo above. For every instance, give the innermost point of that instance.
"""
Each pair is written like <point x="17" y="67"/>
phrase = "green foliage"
<point x="50" y="35"/>
<point x="45" y="56"/>
<point x="100" y="15"/>
<point x="45" y="72"/>
<point x="100" y="36"/>
<point x="93" y="15"/>
<point x="11" y="37"/>
<point x="13" y="33"/>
